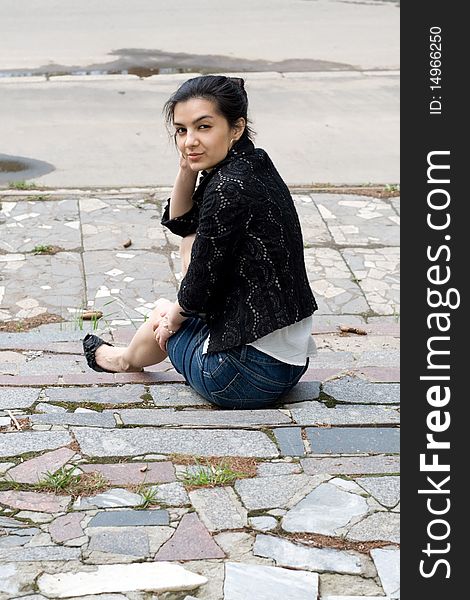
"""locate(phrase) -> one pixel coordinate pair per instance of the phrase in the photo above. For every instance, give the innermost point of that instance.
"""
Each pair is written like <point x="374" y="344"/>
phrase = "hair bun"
<point x="239" y="81"/>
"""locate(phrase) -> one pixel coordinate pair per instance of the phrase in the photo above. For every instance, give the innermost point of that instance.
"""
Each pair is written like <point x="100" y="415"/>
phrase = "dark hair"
<point x="227" y="93"/>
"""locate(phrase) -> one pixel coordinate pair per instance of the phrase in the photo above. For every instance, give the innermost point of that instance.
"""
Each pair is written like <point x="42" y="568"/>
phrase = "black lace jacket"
<point x="247" y="274"/>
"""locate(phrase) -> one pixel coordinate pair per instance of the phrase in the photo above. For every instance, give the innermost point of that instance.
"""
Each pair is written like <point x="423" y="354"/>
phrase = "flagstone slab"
<point x="18" y="397"/>
<point x="116" y="394"/>
<point x="316" y="413"/>
<point x="88" y="419"/>
<point x="119" y="541"/>
<point x="297" y="556"/>
<point x="145" y="275"/>
<point x="114" y="498"/>
<point x="40" y="502"/>
<point x="351" y="389"/>
<point x="16" y="444"/>
<point x="244" y="581"/>
<point x="66" y="527"/>
<point x="176" y="394"/>
<point x="385" y="490"/>
<point x="345" y="440"/>
<point x="41" y="222"/>
<point x="191" y="541"/>
<point x="135" y="442"/>
<point x="290" y="441"/>
<point x="149" y="577"/>
<point x="133" y="473"/>
<point x="304" y="390"/>
<point x="351" y="465"/>
<point x="210" y="417"/>
<point x="324" y="511"/>
<point x="378" y="526"/>
<point x="276" y="492"/>
<point x="219" y="508"/>
<point x="33" y="470"/>
<point x="269" y="469"/>
<point x="56" y="279"/>
<point x="263" y="523"/>
<point x="171" y="494"/>
<point x="130" y="518"/>
<point x="387" y="563"/>
<point x="39" y="553"/>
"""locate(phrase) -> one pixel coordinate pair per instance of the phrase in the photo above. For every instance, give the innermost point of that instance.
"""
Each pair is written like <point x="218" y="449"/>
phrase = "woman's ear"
<point x="239" y="128"/>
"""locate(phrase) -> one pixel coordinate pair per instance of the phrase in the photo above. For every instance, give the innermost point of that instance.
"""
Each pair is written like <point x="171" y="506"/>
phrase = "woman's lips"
<point x="194" y="156"/>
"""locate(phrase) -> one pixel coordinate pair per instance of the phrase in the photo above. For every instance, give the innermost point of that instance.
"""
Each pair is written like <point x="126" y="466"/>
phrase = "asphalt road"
<point x="323" y="81"/>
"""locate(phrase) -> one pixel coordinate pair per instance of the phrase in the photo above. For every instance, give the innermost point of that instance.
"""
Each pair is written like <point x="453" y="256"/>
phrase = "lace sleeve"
<point x="222" y="218"/>
<point x="184" y="224"/>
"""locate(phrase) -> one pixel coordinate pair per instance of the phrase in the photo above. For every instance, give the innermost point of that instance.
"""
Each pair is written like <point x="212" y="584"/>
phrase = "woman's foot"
<point x="111" y="359"/>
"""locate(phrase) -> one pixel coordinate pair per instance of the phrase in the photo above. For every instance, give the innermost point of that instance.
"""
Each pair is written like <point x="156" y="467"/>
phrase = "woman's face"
<point x="202" y="134"/>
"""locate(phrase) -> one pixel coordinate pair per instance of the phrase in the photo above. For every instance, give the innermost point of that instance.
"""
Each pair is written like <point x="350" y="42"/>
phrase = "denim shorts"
<point x="238" y="378"/>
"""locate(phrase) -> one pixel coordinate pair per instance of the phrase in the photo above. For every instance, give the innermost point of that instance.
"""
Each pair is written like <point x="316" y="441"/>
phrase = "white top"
<point x="291" y="344"/>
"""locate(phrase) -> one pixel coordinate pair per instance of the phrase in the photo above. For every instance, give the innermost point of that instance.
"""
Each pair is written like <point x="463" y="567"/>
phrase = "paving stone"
<point x="44" y="407"/>
<point x="18" y="397"/>
<point x="133" y="473"/>
<point x="35" y="517"/>
<point x="336" y="584"/>
<point x="269" y="469"/>
<point x="275" y="492"/>
<point x="111" y="499"/>
<point x="4" y="466"/>
<point x="349" y="389"/>
<point x="191" y="541"/>
<point x="39" y="553"/>
<point x="290" y="441"/>
<point x="385" y="490"/>
<point x="16" y="444"/>
<point x="215" y="418"/>
<point x="354" y="439"/>
<point x="89" y="419"/>
<point x="130" y="518"/>
<point x="316" y="413"/>
<point x="215" y="442"/>
<point x="351" y="465"/>
<point x="330" y="279"/>
<point x="33" y="470"/>
<point x="263" y="523"/>
<point x="127" y="542"/>
<point x="297" y="556"/>
<point x="378" y="358"/>
<point x="145" y="274"/>
<point x="66" y="527"/>
<point x="123" y="394"/>
<point x="10" y="523"/>
<point x="175" y="395"/>
<point x="54" y="364"/>
<point x="355" y="598"/>
<point x="379" y="275"/>
<point x="219" y="508"/>
<point x="11" y="541"/>
<point x="34" y="501"/>
<point x="171" y="494"/>
<point x="304" y="390"/>
<point x="324" y="511"/>
<point x="120" y="578"/>
<point x="383" y="526"/>
<point x="379" y="374"/>
<point x="387" y="563"/>
<point x="265" y="583"/>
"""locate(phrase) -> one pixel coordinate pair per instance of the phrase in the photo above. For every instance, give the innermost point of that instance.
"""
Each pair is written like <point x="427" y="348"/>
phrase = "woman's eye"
<point x="180" y="130"/>
<point x="204" y="125"/>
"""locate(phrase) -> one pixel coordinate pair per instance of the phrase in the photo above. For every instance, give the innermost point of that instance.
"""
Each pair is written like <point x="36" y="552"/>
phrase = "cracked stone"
<point x="219" y="508"/>
<point x="378" y="526"/>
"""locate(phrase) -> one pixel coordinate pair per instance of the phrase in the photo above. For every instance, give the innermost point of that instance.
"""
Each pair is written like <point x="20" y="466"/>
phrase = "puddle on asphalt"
<point x="21" y="168"/>
<point x="144" y="63"/>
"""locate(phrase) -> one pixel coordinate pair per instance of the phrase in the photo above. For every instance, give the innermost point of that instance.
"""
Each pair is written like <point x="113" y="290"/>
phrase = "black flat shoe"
<point x="90" y="345"/>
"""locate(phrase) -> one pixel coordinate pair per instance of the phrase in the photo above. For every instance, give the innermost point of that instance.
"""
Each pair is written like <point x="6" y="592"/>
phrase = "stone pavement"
<point x="312" y="510"/>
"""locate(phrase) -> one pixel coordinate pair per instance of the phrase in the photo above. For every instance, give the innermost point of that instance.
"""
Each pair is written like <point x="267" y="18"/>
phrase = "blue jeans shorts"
<point x="238" y="378"/>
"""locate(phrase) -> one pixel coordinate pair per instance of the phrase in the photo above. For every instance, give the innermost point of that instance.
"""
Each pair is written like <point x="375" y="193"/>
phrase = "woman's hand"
<point x="163" y="332"/>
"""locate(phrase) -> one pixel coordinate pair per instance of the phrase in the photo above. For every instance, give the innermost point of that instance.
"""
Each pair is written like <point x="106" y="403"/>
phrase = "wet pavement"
<point x="313" y="506"/>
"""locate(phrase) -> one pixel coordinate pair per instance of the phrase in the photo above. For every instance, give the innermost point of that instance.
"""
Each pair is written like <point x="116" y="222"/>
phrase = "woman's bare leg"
<point x="143" y="349"/>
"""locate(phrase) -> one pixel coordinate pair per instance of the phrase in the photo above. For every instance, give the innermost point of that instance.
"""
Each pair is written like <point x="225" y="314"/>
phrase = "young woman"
<point x="240" y="330"/>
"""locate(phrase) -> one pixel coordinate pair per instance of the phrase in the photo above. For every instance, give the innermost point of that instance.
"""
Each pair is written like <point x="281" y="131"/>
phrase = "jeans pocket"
<point x="247" y="393"/>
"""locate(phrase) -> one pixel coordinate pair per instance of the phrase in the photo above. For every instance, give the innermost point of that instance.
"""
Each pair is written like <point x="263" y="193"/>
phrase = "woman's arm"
<point x="181" y="195"/>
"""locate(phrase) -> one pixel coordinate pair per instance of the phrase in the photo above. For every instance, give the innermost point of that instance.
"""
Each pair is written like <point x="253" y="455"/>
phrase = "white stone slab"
<point x="387" y="563"/>
<point x="288" y="554"/>
<point x="324" y="510"/>
<point x="155" y="577"/>
<point x="243" y="581"/>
